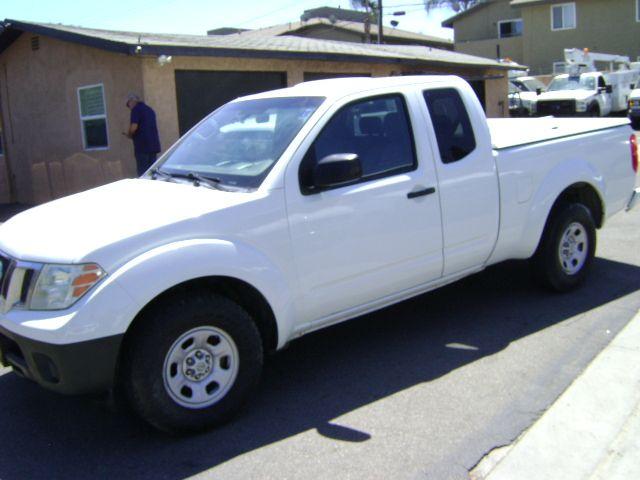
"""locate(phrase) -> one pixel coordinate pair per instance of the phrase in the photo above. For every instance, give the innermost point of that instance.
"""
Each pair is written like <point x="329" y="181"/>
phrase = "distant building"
<point x="63" y="91"/>
<point x="535" y="32"/>
<point x="328" y="23"/>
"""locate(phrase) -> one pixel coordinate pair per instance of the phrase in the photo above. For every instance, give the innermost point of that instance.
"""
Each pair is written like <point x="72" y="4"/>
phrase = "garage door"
<point x="201" y="92"/>
<point x="309" y="76"/>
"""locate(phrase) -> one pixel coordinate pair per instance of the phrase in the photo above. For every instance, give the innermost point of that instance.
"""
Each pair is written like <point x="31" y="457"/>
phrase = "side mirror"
<point x="538" y="91"/>
<point x="609" y="89"/>
<point x="337" y="169"/>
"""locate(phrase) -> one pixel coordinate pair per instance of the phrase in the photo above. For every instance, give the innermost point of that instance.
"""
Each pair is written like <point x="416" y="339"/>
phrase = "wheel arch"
<point x="579" y="192"/>
<point x="241" y="292"/>
<point x="586" y="194"/>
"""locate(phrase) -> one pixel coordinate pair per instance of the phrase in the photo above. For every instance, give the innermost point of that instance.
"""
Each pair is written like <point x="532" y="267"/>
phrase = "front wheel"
<point x="567" y="248"/>
<point x="192" y="362"/>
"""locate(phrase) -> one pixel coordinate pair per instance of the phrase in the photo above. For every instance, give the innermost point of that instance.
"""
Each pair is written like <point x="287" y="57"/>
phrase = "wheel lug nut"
<point x="190" y="371"/>
<point x="190" y="361"/>
<point x="198" y="355"/>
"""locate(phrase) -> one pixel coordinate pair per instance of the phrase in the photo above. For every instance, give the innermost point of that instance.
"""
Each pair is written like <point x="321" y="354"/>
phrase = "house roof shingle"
<point x="242" y="45"/>
<point x="532" y="2"/>
<point x="395" y="33"/>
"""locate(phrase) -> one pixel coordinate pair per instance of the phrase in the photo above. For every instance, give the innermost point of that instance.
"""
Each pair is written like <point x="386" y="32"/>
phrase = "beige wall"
<point x="43" y="130"/>
<point x="160" y="86"/>
<point x="38" y="94"/>
<point x="509" y="48"/>
<point x="483" y="24"/>
<point x="607" y="26"/>
<point x="160" y="81"/>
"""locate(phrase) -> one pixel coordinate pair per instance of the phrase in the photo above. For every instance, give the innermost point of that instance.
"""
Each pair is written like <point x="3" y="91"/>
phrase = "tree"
<point x="455" y="5"/>
<point x="370" y="7"/>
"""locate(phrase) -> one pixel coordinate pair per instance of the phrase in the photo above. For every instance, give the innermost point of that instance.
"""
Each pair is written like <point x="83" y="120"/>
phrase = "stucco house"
<point x="535" y="32"/>
<point x="63" y="91"/>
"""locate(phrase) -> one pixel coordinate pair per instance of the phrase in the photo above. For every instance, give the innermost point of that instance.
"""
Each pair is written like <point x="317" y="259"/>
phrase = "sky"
<point x="198" y="16"/>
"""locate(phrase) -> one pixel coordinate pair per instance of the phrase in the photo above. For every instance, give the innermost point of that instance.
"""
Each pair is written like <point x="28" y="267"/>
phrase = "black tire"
<point x="594" y="111"/>
<point x="547" y="266"/>
<point x="635" y="123"/>
<point x="143" y="363"/>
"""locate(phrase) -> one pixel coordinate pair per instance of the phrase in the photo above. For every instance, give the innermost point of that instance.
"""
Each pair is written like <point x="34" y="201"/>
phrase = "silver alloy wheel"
<point x="573" y="248"/>
<point x="200" y="367"/>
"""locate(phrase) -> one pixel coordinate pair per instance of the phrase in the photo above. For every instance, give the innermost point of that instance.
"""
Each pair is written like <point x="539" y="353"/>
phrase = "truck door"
<point x="467" y="177"/>
<point x="380" y="235"/>
<point x="604" y="99"/>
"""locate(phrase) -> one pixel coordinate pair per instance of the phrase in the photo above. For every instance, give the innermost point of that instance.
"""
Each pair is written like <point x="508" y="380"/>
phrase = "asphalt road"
<point x="422" y="389"/>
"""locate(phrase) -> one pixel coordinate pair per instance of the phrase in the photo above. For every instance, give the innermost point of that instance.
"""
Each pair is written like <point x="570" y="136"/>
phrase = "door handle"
<point x="421" y="193"/>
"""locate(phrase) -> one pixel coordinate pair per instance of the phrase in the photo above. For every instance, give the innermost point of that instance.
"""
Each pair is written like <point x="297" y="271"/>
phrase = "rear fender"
<point x="563" y="176"/>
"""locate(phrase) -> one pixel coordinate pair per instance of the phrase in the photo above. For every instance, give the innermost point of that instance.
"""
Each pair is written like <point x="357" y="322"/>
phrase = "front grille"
<point x="5" y="275"/>
<point x="16" y="281"/>
<point x="556" y="107"/>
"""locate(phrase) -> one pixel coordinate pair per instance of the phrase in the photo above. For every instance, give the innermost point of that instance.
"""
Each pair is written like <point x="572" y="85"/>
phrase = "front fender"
<point x="557" y="180"/>
<point x="156" y="271"/>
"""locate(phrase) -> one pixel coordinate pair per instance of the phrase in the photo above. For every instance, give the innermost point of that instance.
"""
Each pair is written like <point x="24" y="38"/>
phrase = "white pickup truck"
<point x="285" y="212"/>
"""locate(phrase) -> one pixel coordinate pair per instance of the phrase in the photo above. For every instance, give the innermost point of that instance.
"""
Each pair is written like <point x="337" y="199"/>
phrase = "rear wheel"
<point x="192" y="362"/>
<point x="567" y="248"/>
<point x="635" y="123"/>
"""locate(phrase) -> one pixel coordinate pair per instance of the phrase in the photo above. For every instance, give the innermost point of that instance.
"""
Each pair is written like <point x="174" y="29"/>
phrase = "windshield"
<point x="572" y="83"/>
<point x="529" y="85"/>
<point x="239" y="143"/>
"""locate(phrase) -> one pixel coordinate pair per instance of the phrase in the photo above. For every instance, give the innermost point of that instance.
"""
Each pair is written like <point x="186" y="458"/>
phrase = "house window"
<point x="510" y="28"/>
<point x="93" y="117"/>
<point x="563" y="16"/>
<point x="559" y="67"/>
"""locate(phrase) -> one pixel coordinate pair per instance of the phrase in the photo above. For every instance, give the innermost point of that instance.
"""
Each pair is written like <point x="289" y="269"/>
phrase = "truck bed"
<point x="513" y="132"/>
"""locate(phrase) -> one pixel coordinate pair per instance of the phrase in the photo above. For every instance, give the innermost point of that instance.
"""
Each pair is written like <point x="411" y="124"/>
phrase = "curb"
<point x="590" y="432"/>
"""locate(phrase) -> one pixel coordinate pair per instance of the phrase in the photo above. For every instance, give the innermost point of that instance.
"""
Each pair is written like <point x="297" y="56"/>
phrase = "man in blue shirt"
<point x="144" y="133"/>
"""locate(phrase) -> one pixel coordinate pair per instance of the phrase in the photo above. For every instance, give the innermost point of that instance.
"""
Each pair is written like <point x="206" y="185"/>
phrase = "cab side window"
<point x="376" y="129"/>
<point x="451" y="124"/>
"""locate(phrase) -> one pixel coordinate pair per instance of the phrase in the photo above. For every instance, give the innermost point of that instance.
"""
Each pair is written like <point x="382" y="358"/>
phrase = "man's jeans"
<point x="144" y="161"/>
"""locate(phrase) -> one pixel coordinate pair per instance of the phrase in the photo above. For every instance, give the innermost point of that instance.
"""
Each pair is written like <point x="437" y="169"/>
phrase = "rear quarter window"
<point x="451" y="124"/>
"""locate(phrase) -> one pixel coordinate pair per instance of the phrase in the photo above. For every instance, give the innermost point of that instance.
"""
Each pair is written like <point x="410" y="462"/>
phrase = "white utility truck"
<point x="285" y="212"/>
<point x="523" y="95"/>
<point x="634" y="109"/>
<point x="586" y="91"/>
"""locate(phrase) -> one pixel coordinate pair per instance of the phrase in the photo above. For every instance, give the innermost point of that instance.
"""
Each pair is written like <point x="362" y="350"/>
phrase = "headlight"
<point x="581" y="106"/>
<point x="531" y="105"/>
<point x="60" y="286"/>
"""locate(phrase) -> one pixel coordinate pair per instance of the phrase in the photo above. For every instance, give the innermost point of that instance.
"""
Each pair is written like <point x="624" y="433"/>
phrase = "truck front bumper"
<point x="635" y="197"/>
<point x="74" y="368"/>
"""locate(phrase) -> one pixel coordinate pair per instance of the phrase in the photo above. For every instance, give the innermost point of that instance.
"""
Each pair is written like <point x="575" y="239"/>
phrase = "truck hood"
<point x="115" y="222"/>
<point x="566" y="95"/>
<point x="529" y="96"/>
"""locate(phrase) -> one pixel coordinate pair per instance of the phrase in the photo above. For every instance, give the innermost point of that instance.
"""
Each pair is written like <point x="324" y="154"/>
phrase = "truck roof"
<point x="341" y="87"/>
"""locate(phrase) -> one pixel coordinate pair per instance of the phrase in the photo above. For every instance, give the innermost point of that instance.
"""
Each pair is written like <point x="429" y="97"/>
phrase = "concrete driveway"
<point x="420" y="390"/>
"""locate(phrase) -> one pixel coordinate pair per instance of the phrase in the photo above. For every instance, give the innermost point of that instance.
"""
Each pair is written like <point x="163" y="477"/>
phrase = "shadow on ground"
<point x="319" y="378"/>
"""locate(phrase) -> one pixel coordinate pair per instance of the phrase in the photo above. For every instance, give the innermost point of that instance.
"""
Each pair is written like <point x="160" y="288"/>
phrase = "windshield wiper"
<point x="157" y="172"/>
<point x="196" y="178"/>
<point x="211" y="182"/>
